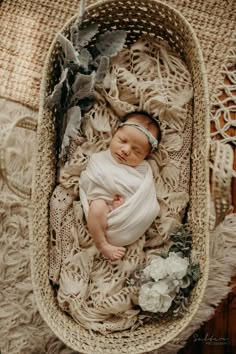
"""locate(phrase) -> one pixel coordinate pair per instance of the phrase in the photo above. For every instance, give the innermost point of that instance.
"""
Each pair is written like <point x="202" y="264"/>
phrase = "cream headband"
<point x="153" y="141"/>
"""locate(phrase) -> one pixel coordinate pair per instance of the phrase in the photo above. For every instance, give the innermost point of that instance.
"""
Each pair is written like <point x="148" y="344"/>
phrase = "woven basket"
<point x="136" y="17"/>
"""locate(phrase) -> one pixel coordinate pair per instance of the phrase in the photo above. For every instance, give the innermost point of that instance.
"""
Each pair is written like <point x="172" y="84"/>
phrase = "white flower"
<point x="154" y="297"/>
<point x="176" y="266"/>
<point x="156" y="269"/>
<point x="168" y="275"/>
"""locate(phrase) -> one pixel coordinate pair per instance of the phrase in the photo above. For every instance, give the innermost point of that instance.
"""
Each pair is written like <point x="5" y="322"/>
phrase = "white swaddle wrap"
<point x="104" y="178"/>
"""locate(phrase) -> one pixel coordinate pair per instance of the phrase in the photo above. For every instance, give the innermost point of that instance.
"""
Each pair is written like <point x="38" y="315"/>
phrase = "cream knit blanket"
<point x="92" y="289"/>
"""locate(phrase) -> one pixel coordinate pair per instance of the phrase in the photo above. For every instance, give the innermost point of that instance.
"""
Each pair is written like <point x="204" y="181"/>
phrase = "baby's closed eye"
<point x="123" y="140"/>
<point x="137" y="151"/>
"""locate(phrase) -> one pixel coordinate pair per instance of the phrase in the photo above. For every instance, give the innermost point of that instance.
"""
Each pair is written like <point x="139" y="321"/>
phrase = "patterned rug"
<point x="27" y="29"/>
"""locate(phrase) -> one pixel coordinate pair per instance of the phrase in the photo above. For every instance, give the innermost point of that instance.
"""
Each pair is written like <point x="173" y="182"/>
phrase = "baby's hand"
<point x="117" y="201"/>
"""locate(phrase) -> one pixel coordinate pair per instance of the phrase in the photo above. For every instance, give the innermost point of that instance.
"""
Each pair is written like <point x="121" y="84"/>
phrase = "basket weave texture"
<point x="136" y="17"/>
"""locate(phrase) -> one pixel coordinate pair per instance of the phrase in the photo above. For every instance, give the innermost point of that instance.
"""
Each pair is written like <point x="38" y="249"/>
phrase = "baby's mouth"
<point x="120" y="157"/>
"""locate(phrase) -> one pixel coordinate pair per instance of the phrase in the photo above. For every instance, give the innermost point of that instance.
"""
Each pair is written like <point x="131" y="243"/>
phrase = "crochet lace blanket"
<point x="93" y="290"/>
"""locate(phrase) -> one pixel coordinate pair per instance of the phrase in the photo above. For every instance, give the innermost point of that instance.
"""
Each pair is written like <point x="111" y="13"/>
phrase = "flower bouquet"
<point x="166" y="282"/>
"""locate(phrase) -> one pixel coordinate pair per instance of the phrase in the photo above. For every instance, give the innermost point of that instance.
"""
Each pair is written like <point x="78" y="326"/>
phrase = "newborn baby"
<point x="117" y="190"/>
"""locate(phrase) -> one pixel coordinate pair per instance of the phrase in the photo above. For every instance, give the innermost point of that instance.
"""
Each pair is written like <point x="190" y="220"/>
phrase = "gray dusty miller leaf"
<point x="102" y="69"/>
<point x="83" y="86"/>
<point x="71" y="55"/>
<point x="85" y="59"/>
<point x="80" y="38"/>
<point x="111" y="42"/>
<point x="54" y="99"/>
<point x="73" y="117"/>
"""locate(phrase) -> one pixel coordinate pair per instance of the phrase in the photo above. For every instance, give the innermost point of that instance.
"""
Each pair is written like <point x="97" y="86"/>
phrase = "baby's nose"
<point x="126" y="149"/>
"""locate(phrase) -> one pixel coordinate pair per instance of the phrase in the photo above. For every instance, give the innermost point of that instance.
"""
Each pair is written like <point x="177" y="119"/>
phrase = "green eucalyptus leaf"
<point x="182" y="240"/>
<point x="196" y="273"/>
<point x="111" y="42"/>
<point x="173" y="248"/>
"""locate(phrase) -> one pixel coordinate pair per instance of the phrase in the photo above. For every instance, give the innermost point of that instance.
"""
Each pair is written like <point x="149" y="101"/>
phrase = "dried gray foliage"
<point x="82" y="87"/>
<point x="85" y="59"/>
<point x="81" y="70"/>
<point x="102" y="69"/>
<point x="110" y="43"/>
<point x="53" y="101"/>
<point x="70" y="54"/>
<point x="85" y="35"/>
<point x="73" y="116"/>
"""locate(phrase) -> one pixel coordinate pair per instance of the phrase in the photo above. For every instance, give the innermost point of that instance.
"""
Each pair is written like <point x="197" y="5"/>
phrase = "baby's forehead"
<point x="134" y="135"/>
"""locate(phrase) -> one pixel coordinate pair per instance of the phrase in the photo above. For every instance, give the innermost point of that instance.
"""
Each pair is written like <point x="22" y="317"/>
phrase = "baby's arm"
<point x="97" y="225"/>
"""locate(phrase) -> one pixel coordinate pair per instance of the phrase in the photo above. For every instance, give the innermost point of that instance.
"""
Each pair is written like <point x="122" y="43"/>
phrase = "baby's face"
<point x="129" y="146"/>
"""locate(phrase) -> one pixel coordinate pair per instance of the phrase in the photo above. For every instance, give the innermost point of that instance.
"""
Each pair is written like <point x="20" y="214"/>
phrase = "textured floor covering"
<point x="27" y="28"/>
